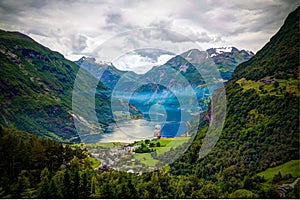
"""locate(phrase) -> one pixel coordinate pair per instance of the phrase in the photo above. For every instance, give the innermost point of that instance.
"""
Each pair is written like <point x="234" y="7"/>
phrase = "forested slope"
<point x="262" y="124"/>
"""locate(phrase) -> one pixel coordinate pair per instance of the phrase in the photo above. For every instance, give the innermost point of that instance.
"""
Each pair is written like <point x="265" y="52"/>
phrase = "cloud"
<point x="154" y="54"/>
<point x="78" y="27"/>
<point x="142" y="60"/>
<point x="78" y="43"/>
<point x="231" y="19"/>
<point x="113" y="18"/>
<point x="134" y="62"/>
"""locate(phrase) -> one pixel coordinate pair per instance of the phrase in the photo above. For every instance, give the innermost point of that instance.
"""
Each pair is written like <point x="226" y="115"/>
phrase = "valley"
<point x="136" y="157"/>
<point x="164" y="97"/>
<point x="215" y="123"/>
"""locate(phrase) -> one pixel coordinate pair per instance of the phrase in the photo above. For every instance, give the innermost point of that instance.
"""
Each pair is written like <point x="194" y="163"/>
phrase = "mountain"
<point x="196" y="68"/>
<point x="172" y="71"/>
<point x="36" y="87"/>
<point x="224" y="58"/>
<point x="261" y="130"/>
<point x="227" y="58"/>
<point x="278" y="58"/>
<point x="106" y="72"/>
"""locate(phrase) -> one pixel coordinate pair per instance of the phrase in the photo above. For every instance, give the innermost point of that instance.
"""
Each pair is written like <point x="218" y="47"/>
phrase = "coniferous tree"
<point x="22" y="184"/>
<point x="44" y="184"/>
<point x="95" y="192"/>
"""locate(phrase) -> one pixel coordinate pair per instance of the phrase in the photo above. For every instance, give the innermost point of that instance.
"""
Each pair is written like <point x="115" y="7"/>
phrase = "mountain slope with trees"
<point x="279" y="58"/>
<point x="261" y="129"/>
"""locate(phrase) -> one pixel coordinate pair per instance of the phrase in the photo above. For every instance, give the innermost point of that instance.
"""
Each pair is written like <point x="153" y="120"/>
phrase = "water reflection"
<point x="128" y="131"/>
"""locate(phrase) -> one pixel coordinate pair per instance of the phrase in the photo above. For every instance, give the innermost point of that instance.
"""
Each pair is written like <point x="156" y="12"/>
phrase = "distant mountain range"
<point x="107" y="73"/>
<point x="224" y="58"/>
<point x="227" y="58"/>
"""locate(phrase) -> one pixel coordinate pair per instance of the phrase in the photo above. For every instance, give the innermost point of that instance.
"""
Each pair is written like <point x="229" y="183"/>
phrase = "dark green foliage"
<point x="157" y="144"/>
<point x="144" y="148"/>
<point x="276" y="84"/>
<point x="277" y="177"/>
<point x="27" y="163"/>
<point x="297" y="190"/>
<point x="73" y="177"/>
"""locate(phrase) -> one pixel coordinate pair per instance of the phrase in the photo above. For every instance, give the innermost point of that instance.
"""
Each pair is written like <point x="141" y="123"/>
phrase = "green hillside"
<point x="292" y="167"/>
<point x="261" y="129"/>
<point x="36" y="89"/>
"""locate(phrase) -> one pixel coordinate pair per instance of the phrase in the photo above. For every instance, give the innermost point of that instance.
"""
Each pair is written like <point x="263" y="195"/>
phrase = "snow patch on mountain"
<point x="221" y="50"/>
<point x="183" y="68"/>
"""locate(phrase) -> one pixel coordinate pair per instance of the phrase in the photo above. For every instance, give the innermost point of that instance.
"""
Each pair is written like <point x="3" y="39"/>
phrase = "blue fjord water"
<point x="158" y="109"/>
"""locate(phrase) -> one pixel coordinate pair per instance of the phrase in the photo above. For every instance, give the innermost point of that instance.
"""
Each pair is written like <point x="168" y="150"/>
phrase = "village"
<point x="122" y="156"/>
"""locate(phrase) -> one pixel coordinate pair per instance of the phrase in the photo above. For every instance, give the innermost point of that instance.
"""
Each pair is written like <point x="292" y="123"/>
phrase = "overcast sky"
<point x="76" y="28"/>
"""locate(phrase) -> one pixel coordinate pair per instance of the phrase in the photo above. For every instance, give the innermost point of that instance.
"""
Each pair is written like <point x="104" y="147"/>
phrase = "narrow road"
<point x="285" y="188"/>
<point x="294" y="183"/>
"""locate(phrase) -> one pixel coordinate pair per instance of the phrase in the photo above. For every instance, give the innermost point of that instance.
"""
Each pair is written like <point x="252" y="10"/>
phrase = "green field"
<point x="292" y="167"/>
<point x="168" y="143"/>
<point x="263" y="89"/>
<point x="94" y="162"/>
<point x="145" y="158"/>
<point x="164" y="141"/>
<point x="165" y="144"/>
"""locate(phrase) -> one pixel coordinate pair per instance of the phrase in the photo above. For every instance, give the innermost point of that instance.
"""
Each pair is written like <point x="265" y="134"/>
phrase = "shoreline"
<point x="152" y="139"/>
<point x="119" y="144"/>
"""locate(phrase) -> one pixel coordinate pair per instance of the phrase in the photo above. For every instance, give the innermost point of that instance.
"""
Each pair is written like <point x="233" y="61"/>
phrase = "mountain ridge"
<point x="224" y="61"/>
<point x="279" y="44"/>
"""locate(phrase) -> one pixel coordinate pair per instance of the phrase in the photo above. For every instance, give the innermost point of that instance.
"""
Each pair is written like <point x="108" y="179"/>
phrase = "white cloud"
<point x="76" y="28"/>
<point x="163" y="59"/>
<point x="139" y="64"/>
